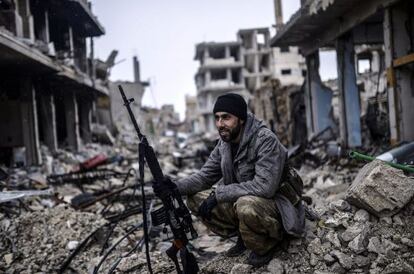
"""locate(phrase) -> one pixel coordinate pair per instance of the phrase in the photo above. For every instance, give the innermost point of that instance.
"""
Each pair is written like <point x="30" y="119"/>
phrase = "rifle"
<point x="174" y="212"/>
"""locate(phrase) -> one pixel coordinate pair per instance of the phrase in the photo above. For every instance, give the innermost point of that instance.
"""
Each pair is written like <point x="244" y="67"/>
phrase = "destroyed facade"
<point x="49" y="84"/>
<point x="242" y="67"/>
<point x="220" y="71"/>
<point x="385" y="25"/>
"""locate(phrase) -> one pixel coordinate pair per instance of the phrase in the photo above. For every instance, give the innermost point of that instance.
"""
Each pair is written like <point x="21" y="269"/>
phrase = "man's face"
<point x="229" y="126"/>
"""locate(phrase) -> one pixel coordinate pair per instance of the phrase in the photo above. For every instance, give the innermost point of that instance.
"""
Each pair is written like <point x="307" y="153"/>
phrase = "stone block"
<point x="380" y="189"/>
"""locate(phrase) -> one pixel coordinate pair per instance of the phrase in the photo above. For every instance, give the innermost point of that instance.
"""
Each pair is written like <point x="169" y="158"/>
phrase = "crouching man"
<point x="257" y="196"/>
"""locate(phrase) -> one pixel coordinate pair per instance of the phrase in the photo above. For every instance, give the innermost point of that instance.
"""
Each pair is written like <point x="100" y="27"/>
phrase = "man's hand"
<point x="207" y="206"/>
<point x="163" y="188"/>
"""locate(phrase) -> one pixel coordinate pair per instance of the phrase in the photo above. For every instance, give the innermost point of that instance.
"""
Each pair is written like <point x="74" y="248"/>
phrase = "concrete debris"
<point x="41" y="233"/>
<point x="101" y="134"/>
<point x="380" y="189"/>
<point x="241" y="269"/>
<point x="7" y="196"/>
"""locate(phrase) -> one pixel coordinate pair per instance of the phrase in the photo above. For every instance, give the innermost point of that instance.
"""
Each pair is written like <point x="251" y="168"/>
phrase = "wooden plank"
<point x="404" y="60"/>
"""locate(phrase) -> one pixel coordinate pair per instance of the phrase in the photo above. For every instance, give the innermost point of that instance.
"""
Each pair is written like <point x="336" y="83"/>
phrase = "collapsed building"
<point x="49" y="83"/>
<point x="282" y="109"/>
<point x="347" y="26"/>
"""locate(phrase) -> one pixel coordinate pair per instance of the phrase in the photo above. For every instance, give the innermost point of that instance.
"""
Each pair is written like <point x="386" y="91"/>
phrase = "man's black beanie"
<point x="231" y="103"/>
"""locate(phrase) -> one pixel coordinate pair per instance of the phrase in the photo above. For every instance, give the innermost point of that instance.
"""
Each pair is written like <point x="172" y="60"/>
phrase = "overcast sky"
<point x="163" y="34"/>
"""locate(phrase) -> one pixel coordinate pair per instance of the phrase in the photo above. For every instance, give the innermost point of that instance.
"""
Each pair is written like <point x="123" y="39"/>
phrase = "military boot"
<point x="237" y="249"/>
<point x="257" y="260"/>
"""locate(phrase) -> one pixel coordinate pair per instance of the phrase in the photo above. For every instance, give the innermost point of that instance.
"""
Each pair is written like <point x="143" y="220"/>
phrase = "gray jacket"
<point x="257" y="168"/>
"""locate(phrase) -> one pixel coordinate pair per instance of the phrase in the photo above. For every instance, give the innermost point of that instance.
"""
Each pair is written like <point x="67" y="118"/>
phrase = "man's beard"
<point x="230" y="134"/>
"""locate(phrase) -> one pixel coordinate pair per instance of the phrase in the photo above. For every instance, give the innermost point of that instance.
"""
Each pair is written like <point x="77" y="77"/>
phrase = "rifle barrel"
<point x="131" y="114"/>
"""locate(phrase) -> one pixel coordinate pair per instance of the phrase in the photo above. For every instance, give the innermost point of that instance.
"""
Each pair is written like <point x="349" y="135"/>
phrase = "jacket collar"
<point x="252" y="125"/>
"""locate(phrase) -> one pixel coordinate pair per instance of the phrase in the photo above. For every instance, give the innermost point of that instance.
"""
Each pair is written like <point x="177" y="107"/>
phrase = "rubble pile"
<point x="365" y="214"/>
<point x="39" y="241"/>
<point x="346" y="239"/>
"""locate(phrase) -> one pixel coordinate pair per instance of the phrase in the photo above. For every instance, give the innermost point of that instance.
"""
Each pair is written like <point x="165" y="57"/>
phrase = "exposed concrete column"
<point x="206" y="55"/>
<point x="48" y="116"/>
<point x="256" y="57"/>
<point x="241" y="79"/>
<point x="253" y="38"/>
<point x="23" y="7"/>
<point x="278" y="14"/>
<point x="310" y="66"/>
<point x="47" y="28"/>
<point x="72" y="120"/>
<point x="318" y="98"/>
<point x="228" y="75"/>
<point x="29" y="124"/>
<point x="267" y="39"/>
<point x="44" y="31"/>
<point x="376" y="61"/>
<point x="227" y="52"/>
<point x="92" y="67"/>
<point x="349" y="106"/>
<point x="85" y="118"/>
<point x="71" y="43"/>
<point x="208" y="77"/>
<point x="94" y="116"/>
<point x="397" y="40"/>
<point x="137" y="71"/>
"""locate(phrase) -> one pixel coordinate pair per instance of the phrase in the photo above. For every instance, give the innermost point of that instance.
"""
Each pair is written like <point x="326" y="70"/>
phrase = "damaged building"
<point x="220" y="71"/>
<point x="48" y="84"/>
<point x="257" y="58"/>
<point x="243" y="67"/>
<point x="278" y="98"/>
<point x="347" y="26"/>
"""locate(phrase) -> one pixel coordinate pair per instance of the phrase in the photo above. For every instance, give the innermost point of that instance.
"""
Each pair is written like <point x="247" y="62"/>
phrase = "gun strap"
<point x="141" y="161"/>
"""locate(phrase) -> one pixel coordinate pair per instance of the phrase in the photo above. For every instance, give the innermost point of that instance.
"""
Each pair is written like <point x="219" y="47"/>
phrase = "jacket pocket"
<point x="246" y="171"/>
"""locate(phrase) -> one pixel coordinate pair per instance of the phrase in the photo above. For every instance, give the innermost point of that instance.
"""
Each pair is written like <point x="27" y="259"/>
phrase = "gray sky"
<point x="163" y="34"/>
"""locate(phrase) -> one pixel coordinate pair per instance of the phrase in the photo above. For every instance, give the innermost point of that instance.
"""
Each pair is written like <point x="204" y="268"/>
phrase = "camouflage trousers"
<point x="256" y="219"/>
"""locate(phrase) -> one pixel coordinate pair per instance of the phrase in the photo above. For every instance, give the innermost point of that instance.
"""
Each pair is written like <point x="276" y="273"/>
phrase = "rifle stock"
<point x="175" y="213"/>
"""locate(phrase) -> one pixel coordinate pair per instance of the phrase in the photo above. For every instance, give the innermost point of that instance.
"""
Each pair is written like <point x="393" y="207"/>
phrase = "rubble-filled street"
<point x="213" y="137"/>
<point x="361" y="223"/>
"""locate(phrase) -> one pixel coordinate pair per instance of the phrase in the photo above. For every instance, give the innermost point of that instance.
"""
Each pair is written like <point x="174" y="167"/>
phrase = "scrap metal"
<point x="82" y="177"/>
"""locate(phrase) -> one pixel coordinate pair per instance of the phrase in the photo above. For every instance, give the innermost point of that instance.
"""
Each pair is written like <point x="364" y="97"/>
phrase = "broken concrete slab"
<point x="380" y="189"/>
<point x="344" y="259"/>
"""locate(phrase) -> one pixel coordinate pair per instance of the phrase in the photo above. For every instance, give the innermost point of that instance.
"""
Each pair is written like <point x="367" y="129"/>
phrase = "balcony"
<point x="222" y="63"/>
<point x="221" y="85"/>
